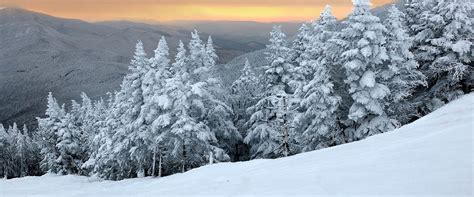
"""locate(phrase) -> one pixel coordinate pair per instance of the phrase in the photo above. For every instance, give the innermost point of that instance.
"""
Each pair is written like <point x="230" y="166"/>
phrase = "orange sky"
<point x="168" y="10"/>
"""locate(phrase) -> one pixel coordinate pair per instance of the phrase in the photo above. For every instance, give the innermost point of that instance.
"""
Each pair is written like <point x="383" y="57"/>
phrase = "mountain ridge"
<point x="42" y="53"/>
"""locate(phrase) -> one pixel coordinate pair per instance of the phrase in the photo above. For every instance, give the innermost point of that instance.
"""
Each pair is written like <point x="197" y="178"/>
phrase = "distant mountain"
<point x="257" y="60"/>
<point x="41" y="54"/>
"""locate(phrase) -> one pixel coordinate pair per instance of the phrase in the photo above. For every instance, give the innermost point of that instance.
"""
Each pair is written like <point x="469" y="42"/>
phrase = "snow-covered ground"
<point x="431" y="157"/>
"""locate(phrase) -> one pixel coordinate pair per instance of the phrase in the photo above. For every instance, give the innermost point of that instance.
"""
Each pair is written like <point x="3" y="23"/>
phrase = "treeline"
<point x="327" y="87"/>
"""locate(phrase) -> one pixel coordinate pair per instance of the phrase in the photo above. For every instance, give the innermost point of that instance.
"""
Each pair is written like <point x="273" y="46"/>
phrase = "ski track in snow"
<point x="430" y="157"/>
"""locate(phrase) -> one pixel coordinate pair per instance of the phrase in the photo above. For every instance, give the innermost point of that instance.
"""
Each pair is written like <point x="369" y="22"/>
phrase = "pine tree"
<point x="48" y="135"/>
<point x="31" y="154"/>
<point x="402" y="75"/>
<point x="21" y="149"/>
<point x="363" y="56"/>
<point x="190" y="138"/>
<point x="101" y="160"/>
<point x="131" y="149"/>
<point x="179" y="67"/>
<point x="211" y="53"/>
<point x="268" y="135"/>
<point x="154" y="113"/>
<point x="199" y="62"/>
<point x="245" y="93"/>
<point x="5" y="152"/>
<point x="318" y="106"/>
<point x="69" y="145"/>
<point x="122" y="154"/>
<point x="413" y="11"/>
<point x="300" y="56"/>
<point x="443" y="47"/>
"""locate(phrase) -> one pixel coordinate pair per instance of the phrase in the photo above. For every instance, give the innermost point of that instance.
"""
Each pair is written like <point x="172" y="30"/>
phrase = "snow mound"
<point x="430" y="157"/>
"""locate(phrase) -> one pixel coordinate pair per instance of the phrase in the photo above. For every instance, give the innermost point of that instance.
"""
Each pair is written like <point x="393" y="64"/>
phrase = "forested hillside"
<point x="328" y="86"/>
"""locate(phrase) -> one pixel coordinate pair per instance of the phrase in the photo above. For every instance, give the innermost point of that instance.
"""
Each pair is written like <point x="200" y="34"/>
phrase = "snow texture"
<point x="430" y="157"/>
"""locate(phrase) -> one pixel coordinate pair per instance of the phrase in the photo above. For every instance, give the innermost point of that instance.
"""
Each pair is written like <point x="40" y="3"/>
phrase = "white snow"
<point x="368" y="79"/>
<point x="462" y="46"/>
<point x="430" y="157"/>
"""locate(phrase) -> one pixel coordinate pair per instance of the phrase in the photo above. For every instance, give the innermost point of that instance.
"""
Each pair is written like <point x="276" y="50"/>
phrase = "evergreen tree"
<point x="211" y="53"/>
<point x="402" y="75"/>
<point x="69" y="146"/>
<point x="154" y="114"/>
<point x="122" y="154"/>
<point x="413" y="11"/>
<point x="48" y="129"/>
<point x="191" y="138"/>
<point x="318" y="119"/>
<point x="268" y="134"/>
<point x="443" y="47"/>
<point x="199" y="62"/>
<point x="22" y="149"/>
<point x="300" y="56"/>
<point x="245" y="90"/>
<point x="363" y="56"/>
<point x="5" y="152"/>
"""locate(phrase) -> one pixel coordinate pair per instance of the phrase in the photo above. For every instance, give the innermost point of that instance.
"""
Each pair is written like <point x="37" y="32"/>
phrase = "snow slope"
<point x="430" y="157"/>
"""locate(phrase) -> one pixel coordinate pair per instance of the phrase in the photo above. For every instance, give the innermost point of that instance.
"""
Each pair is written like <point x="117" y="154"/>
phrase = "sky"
<point x="172" y="10"/>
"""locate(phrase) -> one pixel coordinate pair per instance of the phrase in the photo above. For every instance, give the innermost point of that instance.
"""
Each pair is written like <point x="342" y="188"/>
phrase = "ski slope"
<point x="430" y="157"/>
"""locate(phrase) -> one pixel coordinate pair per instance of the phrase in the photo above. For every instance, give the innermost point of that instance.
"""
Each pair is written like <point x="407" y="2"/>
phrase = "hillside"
<point x="430" y="157"/>
<point x="41" y="54"/>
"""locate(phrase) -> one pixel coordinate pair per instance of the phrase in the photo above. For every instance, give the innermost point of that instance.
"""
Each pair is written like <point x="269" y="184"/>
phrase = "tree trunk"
<point x="286" y="148"/>
<point x="211" y="158"/>
<point x="159" y="166"/>
<point x="154" y="161"/>
<point x="184" y="157"/>
<point x="140" y="172"/>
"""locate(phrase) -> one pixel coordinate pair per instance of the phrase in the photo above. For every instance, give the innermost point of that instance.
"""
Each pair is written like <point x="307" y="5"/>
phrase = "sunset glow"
<point x="169" y="10"/>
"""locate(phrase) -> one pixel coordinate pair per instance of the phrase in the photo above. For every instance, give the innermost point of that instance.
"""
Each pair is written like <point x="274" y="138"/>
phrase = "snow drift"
<point x="430" y="157"/>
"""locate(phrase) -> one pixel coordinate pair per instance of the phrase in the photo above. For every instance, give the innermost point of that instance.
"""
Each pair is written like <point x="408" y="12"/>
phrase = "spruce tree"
<point x="211" y="53"/>
<point x="268" y="135"/>
<point x="363" y="56"/>
<point x="318" y="106"/>
<point x="190" y="137"/>
<point x="122" y="155"/>
<point x="48" y="129"/>
<point x="5" y="152"/>
<point x="402" y="75"/>
<point x="69" y="146"/>
<point x="443" y="48"/>
<point x="245" y="93"/>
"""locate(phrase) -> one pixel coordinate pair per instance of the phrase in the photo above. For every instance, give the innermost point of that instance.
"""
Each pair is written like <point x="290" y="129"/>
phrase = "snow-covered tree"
<point x="154" y="113"/>
<point x="268" y="135"/>
<point x="48" y="128"/>
<point x="211" y="53"/>
<point x="318" y="120"/>
<point x="402" y="75"/>
<point x="18" y="153"/>
<point x="444" y="50"/>
<point x="190" y="137"/>
<point x="70" y="147"/>
<point x="364" y="53"/>
<point x="101" y="160"/>
<point x="413" y="12"/>
<point x="300" y="56"/>
<point x="24" y="150"/>
<point x="122" y="154"/>
<point x="245" y="91"/>
<point x="199" y="62"/>
<point x="5" y="152"/>
<point x="179" y="66"/>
